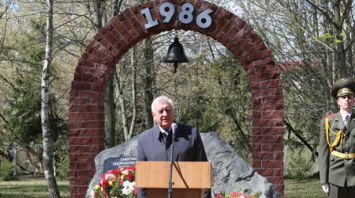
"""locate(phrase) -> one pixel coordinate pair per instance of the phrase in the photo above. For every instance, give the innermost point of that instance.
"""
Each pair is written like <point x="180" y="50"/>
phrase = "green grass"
<point x="30" y="188"/>
<point x="303" y="188"/>
<point x="37" y="188"/>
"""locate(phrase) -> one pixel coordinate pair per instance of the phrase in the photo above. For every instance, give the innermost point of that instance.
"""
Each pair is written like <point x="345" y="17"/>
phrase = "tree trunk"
<point x="46" y="132"/>
<point x="340" y="51"/>
<point x="128" y="132"/>
<point x="110" y="114"/>
<point x="148" y="81"/>
<point x="122" y="104"/>
<point x="110" y="107"/>
<point x="134" y="91"/>
<point x="99" y="13"/>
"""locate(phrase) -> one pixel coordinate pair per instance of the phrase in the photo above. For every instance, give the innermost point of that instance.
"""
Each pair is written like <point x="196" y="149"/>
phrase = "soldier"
<point x="337" y="144"/>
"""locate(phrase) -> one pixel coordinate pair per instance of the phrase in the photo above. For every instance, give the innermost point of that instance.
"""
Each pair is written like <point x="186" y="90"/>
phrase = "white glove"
<point x="325" y="188"/>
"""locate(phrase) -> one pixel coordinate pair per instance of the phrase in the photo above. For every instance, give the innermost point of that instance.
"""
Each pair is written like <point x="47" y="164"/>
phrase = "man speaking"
<point x="155" y="144"/>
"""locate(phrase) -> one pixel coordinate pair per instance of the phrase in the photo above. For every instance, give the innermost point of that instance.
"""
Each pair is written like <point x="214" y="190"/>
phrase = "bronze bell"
<point x="176" y="54"/>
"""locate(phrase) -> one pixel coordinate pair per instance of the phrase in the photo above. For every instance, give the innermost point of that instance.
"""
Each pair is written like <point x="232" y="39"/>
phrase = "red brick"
<point x="267" y="92"/>
<point x="257" y="147"/>
<point x="263" y="122"/>
<point x="263" y="106"/>
<point x="91" y="108"/>
<point x="104" y="43"/>
<point x="256" y="130"/>
<point x="268" y="61"/>
<point x="81" y="85"/>
<point x="88" y="140"/>
<point x="256" y="163"/>
<point x="266" y="147"/>
<point x="267" y="155"/>
<point x="235" y="49"/>
<point x="272" y="164"/>
<point x="266" y="172"/>
<point x="272" y="130"/>
<point x="73" y="173"/>
<point x="262" y="77"/>
<point x="272" y="114"/>
<point x="80" y="157"/>
<point x="81" y="165"/>
<point x="258" y="138"/>
<point x="73" y="124"/>
<point x="279" y="155"/>
<point x="257" y="155"/>
<point x="272" y="147"/>
<point x="278" y="172"/>
<point x="93" y="116"/>
<point x="260" y="55"/>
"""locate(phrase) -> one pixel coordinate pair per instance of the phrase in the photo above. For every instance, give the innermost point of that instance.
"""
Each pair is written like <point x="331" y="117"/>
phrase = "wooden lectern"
<point x="189" y="178"/>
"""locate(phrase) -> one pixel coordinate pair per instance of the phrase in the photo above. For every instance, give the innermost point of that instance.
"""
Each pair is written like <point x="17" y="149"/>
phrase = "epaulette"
<point x="330" y="115"/>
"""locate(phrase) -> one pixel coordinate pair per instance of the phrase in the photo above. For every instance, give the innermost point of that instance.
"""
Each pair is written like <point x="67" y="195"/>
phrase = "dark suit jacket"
<point x="188" y="146"/>
<point x="332" y="169"/>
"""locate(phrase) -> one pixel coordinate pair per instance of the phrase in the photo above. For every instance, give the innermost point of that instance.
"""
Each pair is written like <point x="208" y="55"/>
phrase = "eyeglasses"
<point x="350" y="97"/>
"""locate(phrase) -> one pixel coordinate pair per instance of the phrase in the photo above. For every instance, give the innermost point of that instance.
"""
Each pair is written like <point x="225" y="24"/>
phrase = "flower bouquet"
<point x="118" y="183"/>
<point x="237" y="195"/>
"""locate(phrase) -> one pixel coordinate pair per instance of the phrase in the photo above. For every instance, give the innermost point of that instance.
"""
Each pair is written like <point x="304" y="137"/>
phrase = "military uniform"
<point x="337" y="148"/>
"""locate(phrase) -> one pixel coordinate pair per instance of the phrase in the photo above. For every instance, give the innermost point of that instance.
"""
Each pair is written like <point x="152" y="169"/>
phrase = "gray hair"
<point x="162" y="99"/>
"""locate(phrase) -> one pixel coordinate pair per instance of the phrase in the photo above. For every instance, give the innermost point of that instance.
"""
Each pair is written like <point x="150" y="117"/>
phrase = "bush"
<point x="299" y="164"/>
<point x="63" y="166"/>
<point x="6" y="169"/>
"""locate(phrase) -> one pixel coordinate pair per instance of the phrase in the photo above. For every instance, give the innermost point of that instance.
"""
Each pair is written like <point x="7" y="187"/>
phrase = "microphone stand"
<point x="170" y="189"/>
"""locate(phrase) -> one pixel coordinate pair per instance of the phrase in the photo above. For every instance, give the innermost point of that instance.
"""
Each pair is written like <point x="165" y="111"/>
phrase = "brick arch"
<point x="86" y="102"/>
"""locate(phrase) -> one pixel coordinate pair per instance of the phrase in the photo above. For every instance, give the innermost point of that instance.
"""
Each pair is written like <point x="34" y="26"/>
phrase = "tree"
<point x="46" y="132"/>
<point x="121" y="80"/>
<point x="313" y="43"/>
<point x="148" y="80"/>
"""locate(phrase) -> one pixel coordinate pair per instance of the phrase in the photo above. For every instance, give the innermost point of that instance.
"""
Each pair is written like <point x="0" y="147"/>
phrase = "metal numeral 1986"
<point x="167" y="10"/>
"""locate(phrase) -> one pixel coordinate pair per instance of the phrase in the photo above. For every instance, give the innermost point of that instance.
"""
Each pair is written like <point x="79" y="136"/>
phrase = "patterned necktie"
<point x="346" y="120"/>
<point x="169" y="139"/>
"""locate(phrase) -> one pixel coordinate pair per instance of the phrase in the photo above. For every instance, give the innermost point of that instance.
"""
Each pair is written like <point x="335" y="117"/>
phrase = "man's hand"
<point x="325" y="188"/>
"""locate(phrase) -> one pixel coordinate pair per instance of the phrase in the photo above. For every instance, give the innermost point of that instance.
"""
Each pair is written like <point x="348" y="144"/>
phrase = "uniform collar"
<point x="344" y="114"/>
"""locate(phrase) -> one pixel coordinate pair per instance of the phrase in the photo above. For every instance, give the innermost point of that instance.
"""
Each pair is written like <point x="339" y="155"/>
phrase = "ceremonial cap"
<point x="343" y="87"/>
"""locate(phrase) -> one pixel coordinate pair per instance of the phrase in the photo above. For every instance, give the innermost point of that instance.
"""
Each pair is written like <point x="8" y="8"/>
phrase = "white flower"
<point x="109" y="176"/>
<point x="128" y="187"/>
<point x="125" y="172"/>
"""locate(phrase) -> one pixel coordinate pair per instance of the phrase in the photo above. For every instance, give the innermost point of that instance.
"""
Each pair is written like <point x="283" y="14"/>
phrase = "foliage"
<point x="6" y="169"/>
<point x="63" y="167"/>
<point x="215" y="97"/>
<point x="298" y="163"/>
<point x="313" y="49"/>
<point x="302" y="127"/>
<point x="118" y="183"/>
<point x="22" y="109"/>
<point x="21" y="102"/>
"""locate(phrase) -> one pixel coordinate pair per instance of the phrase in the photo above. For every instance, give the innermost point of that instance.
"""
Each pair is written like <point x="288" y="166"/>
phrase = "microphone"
<point x="173" y="128"/>
<point x="170" y="189"/>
